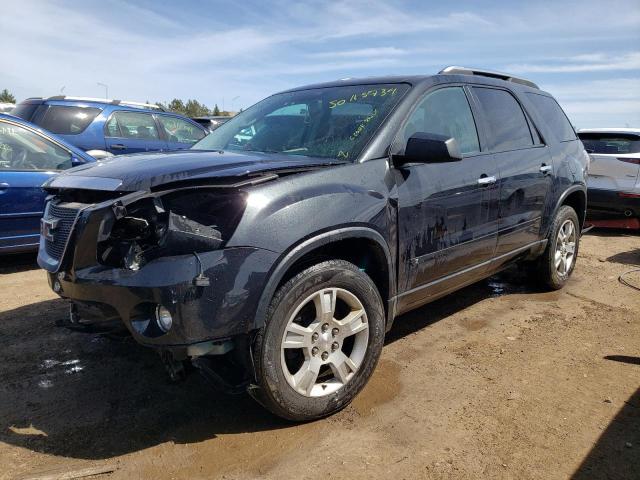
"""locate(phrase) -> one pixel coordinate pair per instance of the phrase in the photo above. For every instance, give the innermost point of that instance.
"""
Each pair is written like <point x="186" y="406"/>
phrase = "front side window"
<point x="179" y="130"/>
<point x="614" y="143"/>
<point x="332" y="122"/>
<point x="445" y="112"/>
<point x="551" y="113"/>
<point x="22" y="149"/>
<point x="65" y="120"/>
<point x="135" y="125"/>
<point x="506" y="121"/>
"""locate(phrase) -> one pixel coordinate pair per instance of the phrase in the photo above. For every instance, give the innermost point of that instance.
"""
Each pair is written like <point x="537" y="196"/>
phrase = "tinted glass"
<point x="179" y="130"/>
<point x="67" y="120"/>
<point x="334" y="122"/>
<point x="25" y="110"/>
<point x="22" y="149"/>
<point x="132" y="125"/>
<point x="507" y="124"/>
<point x="551" y="113"/>
<point x="610" y="143"/>
<point x="445" y="112"/>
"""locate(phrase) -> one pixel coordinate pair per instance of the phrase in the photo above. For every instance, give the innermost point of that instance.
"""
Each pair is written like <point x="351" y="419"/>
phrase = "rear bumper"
<point x="610" y="204"/>
<point x="223" y="309"/>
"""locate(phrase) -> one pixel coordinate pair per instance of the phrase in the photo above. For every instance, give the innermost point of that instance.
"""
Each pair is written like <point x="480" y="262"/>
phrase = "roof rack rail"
<point x="106" y="100"/>
<point x="454" y="70"/>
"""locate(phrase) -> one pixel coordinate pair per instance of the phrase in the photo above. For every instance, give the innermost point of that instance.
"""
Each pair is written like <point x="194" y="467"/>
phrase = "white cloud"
<point x="596" y="62"/>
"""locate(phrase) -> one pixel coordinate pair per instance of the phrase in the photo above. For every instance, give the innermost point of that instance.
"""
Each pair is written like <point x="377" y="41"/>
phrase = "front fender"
<point x="286" y="261"/>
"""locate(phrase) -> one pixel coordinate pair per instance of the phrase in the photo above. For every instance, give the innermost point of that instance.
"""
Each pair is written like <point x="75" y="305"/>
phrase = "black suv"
<point x="276" y="253"/>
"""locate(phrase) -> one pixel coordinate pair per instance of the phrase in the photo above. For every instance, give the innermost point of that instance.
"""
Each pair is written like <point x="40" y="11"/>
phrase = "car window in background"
<point x="21" y="149"/>
<point x="445" y="112"/>
<point x="25" y="110"/>
<point x="508" y="126"/>
<point x="333" y="122"/>
<point x="551" y="113"/>
<point x="610" y="142"/>
<point x="179" y="130"/>
<point x="132" y="125"/>
<point x="65" y="120"/>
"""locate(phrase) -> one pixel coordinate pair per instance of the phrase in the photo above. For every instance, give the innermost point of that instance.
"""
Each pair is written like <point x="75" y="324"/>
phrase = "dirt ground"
<point x="499" y="380"/>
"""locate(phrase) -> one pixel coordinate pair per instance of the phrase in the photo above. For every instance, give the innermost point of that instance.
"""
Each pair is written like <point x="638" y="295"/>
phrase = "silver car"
<point x="614" y="181"/>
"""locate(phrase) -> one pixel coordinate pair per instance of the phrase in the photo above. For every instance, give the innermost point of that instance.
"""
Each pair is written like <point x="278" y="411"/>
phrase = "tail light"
<point x="628" y="195"/>
<point x="635" y="161"/>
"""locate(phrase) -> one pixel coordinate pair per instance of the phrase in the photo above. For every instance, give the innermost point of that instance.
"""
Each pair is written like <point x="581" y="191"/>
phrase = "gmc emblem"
<point x="48" y="228"/>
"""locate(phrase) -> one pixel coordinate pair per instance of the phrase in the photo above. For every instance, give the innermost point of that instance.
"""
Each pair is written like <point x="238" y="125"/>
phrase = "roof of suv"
<point x="95" y="102"/>
<point x="452" y="73"/>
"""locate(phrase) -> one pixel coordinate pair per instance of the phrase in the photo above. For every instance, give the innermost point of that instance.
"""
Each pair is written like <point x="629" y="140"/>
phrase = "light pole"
<point x="106" y="89"/>
<point x="233" y="100"/>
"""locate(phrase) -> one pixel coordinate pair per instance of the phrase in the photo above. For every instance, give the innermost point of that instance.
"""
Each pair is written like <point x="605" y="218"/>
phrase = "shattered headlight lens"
<point x="177" y="223"/>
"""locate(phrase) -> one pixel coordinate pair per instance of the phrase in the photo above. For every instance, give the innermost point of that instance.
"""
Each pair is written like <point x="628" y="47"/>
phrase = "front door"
<point x="27" y="160"/>
<point x="447" y="220"/>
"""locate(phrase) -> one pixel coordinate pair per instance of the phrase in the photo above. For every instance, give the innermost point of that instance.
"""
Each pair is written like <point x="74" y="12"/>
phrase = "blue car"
<point x="28" y="157"/>
<point x="111" y="127"/>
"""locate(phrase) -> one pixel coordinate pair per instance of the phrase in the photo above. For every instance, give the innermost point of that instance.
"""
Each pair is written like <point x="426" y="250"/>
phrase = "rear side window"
<point x="179" y="130"/>
<point x="445" y="112"/>
<point x="132" y="125"/>
<point x="610" y="142"/>
<point x="507" y="124"/>
<point x="551" y="113"/>
<point x="67" y="120"/>
<point x="25" y="110"/>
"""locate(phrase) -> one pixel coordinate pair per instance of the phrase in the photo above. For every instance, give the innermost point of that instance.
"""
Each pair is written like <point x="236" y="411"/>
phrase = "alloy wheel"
<point x="324" y="342"/>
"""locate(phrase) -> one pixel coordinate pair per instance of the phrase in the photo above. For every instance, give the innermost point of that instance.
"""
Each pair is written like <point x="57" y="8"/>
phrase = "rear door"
<point x="27" y="160"/>
<point x="132" y="132"/>
<point x="615" y="160"/>
<point x="526" y="170"/>
<point x="178" y="132"/>
<point x="447" y="215"/>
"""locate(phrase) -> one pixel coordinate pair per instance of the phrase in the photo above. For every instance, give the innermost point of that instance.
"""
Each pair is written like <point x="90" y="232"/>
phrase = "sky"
<point x="233" y="54"/>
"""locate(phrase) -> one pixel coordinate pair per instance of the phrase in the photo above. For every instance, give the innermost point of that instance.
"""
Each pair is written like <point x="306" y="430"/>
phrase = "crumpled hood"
<point x="146" y="171"/>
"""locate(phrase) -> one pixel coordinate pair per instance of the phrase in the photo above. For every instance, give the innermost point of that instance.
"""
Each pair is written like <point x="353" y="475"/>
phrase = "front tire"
<point x="557" y="262"/>
<point x="322" y="339"/>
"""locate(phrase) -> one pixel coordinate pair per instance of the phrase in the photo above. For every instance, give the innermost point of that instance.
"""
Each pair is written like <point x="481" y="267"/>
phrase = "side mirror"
<point x="429" y="148"/>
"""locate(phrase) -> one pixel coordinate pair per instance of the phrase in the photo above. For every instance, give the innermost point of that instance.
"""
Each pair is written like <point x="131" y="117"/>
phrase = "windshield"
<point x="334" y="122"/>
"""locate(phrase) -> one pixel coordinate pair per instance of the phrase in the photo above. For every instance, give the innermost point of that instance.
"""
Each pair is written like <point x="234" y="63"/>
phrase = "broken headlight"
<point x="177" y="223"/>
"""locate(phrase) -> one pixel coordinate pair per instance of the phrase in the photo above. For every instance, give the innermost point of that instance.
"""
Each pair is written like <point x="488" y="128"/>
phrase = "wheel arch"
<point x="576" y="198"/>
<point x="326" y="245"/>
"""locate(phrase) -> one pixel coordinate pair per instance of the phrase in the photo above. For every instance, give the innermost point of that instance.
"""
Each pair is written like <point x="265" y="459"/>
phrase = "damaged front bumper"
<point x="210" y="296"/>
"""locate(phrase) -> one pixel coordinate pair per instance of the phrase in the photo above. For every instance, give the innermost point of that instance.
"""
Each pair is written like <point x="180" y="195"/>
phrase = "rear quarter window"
<point x="69" y="120"/>
<point x="552" y="114"/>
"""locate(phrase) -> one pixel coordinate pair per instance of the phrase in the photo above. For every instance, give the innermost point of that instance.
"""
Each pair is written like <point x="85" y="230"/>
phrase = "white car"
<point x="614" y="181"/>
<point x="6" y="107"/>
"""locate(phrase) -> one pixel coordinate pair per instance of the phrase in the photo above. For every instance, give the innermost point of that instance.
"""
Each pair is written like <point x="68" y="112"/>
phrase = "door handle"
<point x="3" y="187"/>
<point x="486" y="180"/>
<point x="118" y="146"/>
<point x="546" y="169"/>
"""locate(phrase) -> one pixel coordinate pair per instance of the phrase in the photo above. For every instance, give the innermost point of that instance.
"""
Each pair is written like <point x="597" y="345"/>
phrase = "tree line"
<point x="190" y="108"/>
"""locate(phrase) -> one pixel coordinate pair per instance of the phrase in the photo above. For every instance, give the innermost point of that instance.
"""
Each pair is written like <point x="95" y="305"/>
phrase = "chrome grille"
<point x="66" y="218"/>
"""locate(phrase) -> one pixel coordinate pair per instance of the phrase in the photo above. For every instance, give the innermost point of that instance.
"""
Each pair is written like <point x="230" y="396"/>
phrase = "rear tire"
<point x="557" y="262"/>
<point x="322" y="339"/>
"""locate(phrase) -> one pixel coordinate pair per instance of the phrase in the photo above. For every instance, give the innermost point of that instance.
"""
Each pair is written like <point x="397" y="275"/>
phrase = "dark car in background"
<point x="115" y="127"/>
<point x="276" y="253"/>
<point x="28" y="157"/>
<point x="211" y="122"/>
